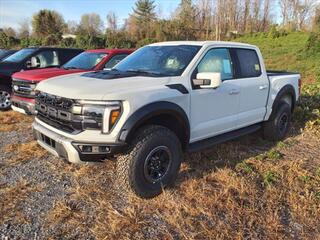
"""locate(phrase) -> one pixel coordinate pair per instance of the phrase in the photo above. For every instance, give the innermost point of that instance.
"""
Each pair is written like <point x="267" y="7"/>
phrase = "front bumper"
<point x="67" y="149"/>
<point x="22" y="106"/>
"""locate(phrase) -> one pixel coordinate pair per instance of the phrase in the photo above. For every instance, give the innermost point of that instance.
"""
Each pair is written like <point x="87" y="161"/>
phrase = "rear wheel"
<point x="277" y="127"/>
<point x="5" y="98"/>
<point x="151" y="163"/>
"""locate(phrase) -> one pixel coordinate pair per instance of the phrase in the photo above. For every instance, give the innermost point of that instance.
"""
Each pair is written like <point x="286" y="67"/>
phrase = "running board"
<point x="203" y="144"/>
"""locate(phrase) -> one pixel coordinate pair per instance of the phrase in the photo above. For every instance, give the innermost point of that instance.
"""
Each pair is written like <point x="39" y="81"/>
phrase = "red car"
<point x="25" y="82"/>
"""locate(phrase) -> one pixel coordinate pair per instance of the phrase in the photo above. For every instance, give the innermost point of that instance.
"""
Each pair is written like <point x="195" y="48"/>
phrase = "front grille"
<point x="56" y="111"/>
<point x="23" y="88"/>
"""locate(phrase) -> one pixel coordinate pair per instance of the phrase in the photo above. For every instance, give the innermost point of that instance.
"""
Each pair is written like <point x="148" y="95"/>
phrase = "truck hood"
<point x="38" y="75"/>
<point x="77" y="86"/>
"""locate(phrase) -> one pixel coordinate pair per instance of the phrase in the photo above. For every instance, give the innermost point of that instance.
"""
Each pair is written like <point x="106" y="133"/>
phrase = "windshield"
<point x="85" y="60"/>
<point x="20" y="55"/>
<point x="159" y="60"/>
<point x="3" y="53"/>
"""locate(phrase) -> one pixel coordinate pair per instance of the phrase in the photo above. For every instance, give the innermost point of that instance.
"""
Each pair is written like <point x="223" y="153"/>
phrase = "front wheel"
<point x="277" y="127"/>
<point x="151" y="163"/>
<point x="5" y="98"/>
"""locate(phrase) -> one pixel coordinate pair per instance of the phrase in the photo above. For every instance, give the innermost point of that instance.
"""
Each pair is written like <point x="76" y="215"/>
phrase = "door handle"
<point x="263" y="87"/>
<point x="234" y="92"/>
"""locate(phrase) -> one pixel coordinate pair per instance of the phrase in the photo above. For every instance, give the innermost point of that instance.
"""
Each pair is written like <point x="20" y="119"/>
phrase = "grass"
<point x="243" y="189"/>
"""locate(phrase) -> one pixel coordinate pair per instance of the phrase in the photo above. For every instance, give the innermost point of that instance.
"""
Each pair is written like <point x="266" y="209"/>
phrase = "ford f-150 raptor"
<point x="163" y="99"/>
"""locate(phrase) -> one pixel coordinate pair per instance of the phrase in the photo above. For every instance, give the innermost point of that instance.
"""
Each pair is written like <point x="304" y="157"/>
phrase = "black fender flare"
<point x="152" y="110"/>
<point x="286" y="90"/>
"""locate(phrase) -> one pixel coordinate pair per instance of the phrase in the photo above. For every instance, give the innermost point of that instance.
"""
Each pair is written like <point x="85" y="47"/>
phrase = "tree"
<point x="144" y="15"/>
<point x="112" y="20"/>
<point x="71" y="27"/>
<point x="10" y="32"/>
<point x="24" y="29"/>
<point x="7" y="41"/>
<point x="90" y="24"/>
<point x="48" y="22"/>
<point x="186" y="16"/>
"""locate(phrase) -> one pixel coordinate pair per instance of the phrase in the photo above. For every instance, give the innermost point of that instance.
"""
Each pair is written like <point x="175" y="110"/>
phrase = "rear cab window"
<point x="247" y="63"/>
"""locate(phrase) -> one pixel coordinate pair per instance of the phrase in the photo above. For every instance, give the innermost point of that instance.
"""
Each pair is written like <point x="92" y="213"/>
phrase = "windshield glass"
<point x="161" y="60"/>
<point x="3" y="53"/>
<point x="85" y="60"/>
<point x="20" y="55"/>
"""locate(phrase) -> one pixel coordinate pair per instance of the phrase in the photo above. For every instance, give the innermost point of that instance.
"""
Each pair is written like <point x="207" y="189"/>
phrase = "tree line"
<point x="192" y="20"/>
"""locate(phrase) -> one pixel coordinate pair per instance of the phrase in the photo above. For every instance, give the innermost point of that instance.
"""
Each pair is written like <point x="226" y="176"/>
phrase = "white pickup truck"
<point x="163" y="99"/>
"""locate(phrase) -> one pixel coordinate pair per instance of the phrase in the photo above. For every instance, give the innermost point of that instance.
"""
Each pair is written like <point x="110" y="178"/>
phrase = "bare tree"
<point x="112" y="21"/>
<point x="91" y="24"/>
<point x="24" y="29"/>
<point x="72" y="27"/>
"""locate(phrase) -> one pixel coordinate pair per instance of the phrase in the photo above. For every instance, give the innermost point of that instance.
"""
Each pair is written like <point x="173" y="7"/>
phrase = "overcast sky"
<point x="12" y="12"/>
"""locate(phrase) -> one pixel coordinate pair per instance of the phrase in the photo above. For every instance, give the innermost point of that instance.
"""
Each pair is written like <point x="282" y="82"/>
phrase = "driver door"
<point x="214" y="111"/>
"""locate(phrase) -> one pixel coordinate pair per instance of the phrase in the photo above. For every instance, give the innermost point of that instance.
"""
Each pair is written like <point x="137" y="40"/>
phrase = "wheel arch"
<point x="162" y="113"/>
<point x="287" y="94"/>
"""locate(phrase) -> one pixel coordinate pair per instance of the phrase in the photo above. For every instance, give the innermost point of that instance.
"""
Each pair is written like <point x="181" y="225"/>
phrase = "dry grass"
<point x="12" y="121"/>
<point x="24" y="152"/>
<point x="236" y="201"/>
<point x="243" y="189"/>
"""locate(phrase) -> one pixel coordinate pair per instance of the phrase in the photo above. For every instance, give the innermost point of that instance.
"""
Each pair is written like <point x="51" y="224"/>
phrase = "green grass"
<point x="287" y="53"/>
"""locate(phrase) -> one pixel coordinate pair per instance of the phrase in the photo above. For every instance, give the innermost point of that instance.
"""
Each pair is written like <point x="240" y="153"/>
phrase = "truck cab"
<point x="163" y="100"/>
<point x="29" y="59"/>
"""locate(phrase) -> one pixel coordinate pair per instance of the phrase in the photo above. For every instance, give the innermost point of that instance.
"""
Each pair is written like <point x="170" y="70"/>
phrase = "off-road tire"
<point x="272" y="129"/>
<point x="3" y="107"/>
<point x="130" y="175"/>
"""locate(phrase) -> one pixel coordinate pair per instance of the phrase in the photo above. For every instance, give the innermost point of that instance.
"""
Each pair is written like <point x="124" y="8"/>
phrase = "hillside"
<point x="287" y="53"/>
<point x="243" y="189"/>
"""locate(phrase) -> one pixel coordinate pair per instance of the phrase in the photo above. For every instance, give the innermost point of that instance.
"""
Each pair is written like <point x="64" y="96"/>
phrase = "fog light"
<point x="93" y="149"/>
<point x="104" y="149"/>
<point x="85" y="148"/>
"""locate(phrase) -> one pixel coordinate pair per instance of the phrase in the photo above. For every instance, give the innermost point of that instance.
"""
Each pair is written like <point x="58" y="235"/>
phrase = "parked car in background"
<point x="163" y="99"/>
<point x="24" y="83"/>
<point x="5" y="53"/>
<point x="28" y="59"/>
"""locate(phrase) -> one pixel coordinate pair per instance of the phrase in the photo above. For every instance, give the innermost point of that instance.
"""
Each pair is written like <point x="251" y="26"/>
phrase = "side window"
<point x="46" y="59"/>
<point x="217" y="60"/>
<point x="249" y="65"/>
<point x="114" y="60"/>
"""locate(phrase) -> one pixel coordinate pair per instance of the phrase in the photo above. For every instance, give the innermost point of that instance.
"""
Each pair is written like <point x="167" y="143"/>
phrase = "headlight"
<point x="98" y="114"/>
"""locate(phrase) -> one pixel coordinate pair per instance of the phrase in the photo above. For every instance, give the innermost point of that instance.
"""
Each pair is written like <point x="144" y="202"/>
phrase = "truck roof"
<point x="201" y="43"/>
<point x="52" y="48"/>
<point x="114" y="51"/>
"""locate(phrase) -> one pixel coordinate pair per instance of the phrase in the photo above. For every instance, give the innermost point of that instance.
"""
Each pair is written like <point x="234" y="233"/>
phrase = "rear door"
<point x="254" y="86"/>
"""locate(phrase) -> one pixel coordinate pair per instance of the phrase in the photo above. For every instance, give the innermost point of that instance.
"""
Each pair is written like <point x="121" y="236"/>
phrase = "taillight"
<point x="299" y="86"/>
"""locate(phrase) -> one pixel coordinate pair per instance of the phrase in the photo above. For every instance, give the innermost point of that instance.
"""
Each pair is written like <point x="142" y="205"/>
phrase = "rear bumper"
<point x="69" y="150"/>
<point x="25" y="106"/>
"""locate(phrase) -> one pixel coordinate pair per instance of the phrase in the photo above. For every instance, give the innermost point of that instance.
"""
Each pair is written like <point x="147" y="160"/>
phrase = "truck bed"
<point x="272" y="73"/>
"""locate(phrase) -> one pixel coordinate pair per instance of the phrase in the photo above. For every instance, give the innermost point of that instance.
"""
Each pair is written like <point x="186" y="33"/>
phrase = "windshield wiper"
<point x="67" y="68"/>
<point x="140" y="71"/>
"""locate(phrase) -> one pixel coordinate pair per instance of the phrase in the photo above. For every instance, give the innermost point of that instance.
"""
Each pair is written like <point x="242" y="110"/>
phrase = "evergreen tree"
<point x="144" y="13"/>
<point x="186" y="16"/>
<point x="47" y="22"/>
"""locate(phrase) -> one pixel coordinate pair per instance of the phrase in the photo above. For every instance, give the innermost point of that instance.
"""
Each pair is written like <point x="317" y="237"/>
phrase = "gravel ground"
<point x="36" y="206"/>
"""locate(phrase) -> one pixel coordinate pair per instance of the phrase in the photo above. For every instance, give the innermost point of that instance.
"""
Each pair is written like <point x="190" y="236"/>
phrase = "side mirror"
<point x="207" y="80"/>
<point x="34" y="62"/>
